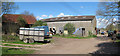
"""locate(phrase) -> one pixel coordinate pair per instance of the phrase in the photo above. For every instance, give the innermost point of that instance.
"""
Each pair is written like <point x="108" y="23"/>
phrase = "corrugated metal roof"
<point x="70" y="18"/>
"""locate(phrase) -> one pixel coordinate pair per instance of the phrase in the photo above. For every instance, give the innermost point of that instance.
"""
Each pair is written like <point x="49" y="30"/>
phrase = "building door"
<point x="83" y="31"/>
<point x="54" y="30"/>
<point x="61" y="30"/>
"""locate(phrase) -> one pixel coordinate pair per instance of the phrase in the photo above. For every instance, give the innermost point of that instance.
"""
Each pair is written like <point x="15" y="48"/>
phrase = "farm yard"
<point x="59" y="45"/>
<point x="60" y="28"/>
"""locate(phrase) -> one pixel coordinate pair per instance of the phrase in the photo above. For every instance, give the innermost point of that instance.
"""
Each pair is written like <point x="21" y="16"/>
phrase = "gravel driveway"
<point x="76" y="46"/>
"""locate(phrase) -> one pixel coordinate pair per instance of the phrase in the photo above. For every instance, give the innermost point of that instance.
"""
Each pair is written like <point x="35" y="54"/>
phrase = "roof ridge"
<point x="18" y="14"/>
<point x="65" y="16"/>
<point x="72" y="18"/>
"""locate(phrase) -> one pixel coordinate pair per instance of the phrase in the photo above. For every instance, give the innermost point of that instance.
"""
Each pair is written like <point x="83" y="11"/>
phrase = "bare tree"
<point x="110" y="27"/>
<point x="8" y="7"/>
<point x="108" y="11"/>
<point x="0" y="7"/>
<point x="27" y="13"/>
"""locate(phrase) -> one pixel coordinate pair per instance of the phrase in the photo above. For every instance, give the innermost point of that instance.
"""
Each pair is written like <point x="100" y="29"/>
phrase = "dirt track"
<point x="75" y="46"/>
<point x="99" y="45"/>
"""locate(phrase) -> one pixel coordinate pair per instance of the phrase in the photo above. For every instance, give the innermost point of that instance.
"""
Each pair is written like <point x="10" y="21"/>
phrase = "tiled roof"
<point x="13" y="17"/>
<point x="70" y="18"/>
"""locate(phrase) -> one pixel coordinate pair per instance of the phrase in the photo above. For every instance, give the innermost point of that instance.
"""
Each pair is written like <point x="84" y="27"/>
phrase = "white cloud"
<point x="63" y="15"/>
<point x="81" y="7"/>
<point x="79" y="15"/>
<point x="44" y="16"/>
<point x="50" y="16"/>
<point x="60" y="15"/>
<point x="39" y="18"/>
<point x="68" y="15"/>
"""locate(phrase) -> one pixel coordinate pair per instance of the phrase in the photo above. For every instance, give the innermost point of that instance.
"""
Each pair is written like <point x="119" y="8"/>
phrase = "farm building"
<point x="87" y="23"/>
<point x="9" y="22"/>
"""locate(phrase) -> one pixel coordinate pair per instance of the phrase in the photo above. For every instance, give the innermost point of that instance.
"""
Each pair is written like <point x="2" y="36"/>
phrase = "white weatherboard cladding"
<point x="21" y="31"/>
<point x="31" y="31"/>
<point x="26" y="32"/>
<point x="41" y="33"/>
<point x="21" y="28"/>
<point x="36" y="32"/>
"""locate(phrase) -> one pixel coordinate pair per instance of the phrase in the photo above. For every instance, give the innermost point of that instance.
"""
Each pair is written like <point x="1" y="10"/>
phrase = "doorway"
<point x="83" y="31"/>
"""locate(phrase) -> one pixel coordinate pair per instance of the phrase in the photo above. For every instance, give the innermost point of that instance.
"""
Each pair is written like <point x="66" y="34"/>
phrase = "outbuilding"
<point x="87" y="23"/>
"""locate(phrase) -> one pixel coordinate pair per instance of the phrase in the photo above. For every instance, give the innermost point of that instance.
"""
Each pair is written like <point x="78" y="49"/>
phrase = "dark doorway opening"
<point x="83" y="31"/>
<point x="54" y="31"/>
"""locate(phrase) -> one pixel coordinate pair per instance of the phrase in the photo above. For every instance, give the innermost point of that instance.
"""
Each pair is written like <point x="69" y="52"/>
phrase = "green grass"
<point x="6" y="50"/>
<point x="17" y="45"/>
<point x="21" y="42"/>
<point x="16" y="40"/>
<point x="75" y="37"/>
<point x="117" y="41"/>
<point x="10" y="38"/>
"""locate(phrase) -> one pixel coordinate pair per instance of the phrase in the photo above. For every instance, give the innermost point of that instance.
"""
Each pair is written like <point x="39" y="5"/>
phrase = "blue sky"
<point x="43" y="10"/>
<point x="56" y="8"/>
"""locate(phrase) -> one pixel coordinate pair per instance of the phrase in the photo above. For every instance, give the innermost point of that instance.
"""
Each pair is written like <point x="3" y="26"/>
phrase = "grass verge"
<point x="17" y="45"/>
<point x="75" y="37"/>
<point x="117" y="41"/>
<point x="6" y="50"/>
<point x="16" y="40"/>
<point x="21" y="42"/>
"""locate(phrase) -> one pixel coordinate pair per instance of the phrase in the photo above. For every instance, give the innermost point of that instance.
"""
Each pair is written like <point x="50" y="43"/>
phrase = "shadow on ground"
<point x="108" y="48"/>
<point x="103" y="38"/>
<point x="45" y="41"/>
